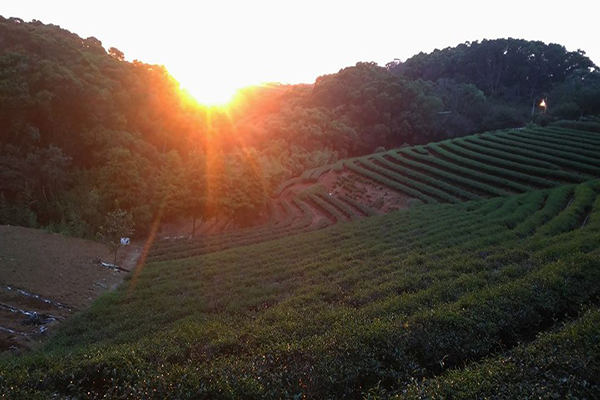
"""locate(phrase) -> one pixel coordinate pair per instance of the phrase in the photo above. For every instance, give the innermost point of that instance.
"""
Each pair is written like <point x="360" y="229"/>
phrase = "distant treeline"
<point x="84" y="132"/>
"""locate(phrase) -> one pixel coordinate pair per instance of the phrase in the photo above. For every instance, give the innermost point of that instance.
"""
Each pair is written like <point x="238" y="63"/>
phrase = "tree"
<point x="171" y="189"/>
<point x="245" y="187"/>
<point x="124" y="178"/>
<point x="81" y="127"/>
<point x="577" y="96"/>
<point x="511" y="69"/>
<point x="195" y="178"/>
<point x="116" y="54"/>
<point x="118" y="224"/>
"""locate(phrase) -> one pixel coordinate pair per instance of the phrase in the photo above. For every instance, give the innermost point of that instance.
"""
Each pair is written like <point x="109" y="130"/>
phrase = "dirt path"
<point x="45" y="274"/>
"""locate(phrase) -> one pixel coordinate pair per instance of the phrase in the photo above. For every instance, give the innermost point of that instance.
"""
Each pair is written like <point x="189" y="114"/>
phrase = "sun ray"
<point x="146" y="249"/>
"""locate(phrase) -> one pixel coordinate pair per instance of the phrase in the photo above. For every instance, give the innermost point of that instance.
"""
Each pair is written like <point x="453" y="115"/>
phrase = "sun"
<point x="211" y="93"/>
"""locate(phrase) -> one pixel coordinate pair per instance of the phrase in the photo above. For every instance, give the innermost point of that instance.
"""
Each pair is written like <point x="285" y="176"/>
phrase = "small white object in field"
<point x="125" y="241"/>
<point x="330" y="194"/>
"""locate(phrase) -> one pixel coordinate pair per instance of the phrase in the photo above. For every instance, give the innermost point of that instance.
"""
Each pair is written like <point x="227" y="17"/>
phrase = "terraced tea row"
<point x="382" y="302"/>
<point x="314" y="210"/>
<point x="452" y="171"/>
<point x="485" y="165"/>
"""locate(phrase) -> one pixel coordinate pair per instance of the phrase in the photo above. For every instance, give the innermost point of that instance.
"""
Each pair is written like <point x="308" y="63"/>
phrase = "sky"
<point x="214" y="47"/>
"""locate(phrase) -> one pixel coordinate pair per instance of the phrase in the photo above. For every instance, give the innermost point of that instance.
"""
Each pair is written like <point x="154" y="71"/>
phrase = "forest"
<point x="84" y="133"/>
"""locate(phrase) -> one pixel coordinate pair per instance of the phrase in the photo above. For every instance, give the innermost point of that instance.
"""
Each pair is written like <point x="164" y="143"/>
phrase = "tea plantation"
<point x="484" y="298"/>
<point x="493" y="164"/>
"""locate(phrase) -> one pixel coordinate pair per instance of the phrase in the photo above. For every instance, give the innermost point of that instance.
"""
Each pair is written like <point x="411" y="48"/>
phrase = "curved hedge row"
<point x="412" y="303"/>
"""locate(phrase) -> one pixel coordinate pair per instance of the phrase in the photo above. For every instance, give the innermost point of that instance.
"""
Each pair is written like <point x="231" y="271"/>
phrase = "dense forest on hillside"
<point x="84" y="132"/>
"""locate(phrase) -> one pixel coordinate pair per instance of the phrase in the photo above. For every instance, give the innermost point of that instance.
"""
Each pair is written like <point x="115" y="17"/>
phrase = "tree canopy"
<point x="513" y="69"/>
<point x="84" y="132"/>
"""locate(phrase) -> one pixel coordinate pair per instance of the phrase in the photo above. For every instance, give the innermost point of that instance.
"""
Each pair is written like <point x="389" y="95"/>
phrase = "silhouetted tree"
<point x="116" y="54"/>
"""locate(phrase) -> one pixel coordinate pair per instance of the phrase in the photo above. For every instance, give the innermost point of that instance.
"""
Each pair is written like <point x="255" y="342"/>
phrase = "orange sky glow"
<point x="214" y="48"/>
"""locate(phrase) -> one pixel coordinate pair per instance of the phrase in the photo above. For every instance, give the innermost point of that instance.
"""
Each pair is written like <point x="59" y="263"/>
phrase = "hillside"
<point x="84" y="132"/>
<point x="470" y="168"/>
<point x="427" y="299"/>
<point x="425" y="229"/>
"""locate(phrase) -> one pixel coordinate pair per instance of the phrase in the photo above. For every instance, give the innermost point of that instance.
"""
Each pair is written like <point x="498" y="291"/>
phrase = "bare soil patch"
<point x="346" y="183"/>
<point x="372" y="194"/>
<point x="45" y="278"/>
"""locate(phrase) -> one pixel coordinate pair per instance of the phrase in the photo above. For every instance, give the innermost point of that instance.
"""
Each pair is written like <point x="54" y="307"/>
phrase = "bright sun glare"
<point x="212" y="94"/>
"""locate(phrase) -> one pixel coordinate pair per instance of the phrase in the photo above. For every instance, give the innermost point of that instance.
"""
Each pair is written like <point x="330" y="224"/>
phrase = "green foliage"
<point x="577" y="96"/>
<point x="494" y="166"/>
<point x="475" y="144"/>
<point x="401" y="158"/>
<point x="574" y="214"/>
<point x="450" y="164"/>
<point x="194" y="181"/>
<point x="118" y="224"/>
<point x="173" y="186"/>
<point x="560" y="158"/>
<point x="414" y="203"/>
<point x="439" y="300"/>
<point x="286" y="185"/>
<point x="574" y="137"/>
<point x="587" y="156"/>
<point x="427" y="179"/>
<point x="511" y="69"/>
<point x="376" y="307"/>
<point x="461" y="169"/>
<point x="585" y="126"/>
<point x="556" y="201"/>
<point x="80" y="125"/>
<point x="367" y="211"/>
<point x="383" y="179"/>
<point x="557" y="364"/>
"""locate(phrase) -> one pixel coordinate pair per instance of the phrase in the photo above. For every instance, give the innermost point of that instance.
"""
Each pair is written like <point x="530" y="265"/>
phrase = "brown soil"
<point x="328" y="179"/>
<point x="50" y="274"/>
<point x="374" y="195"/>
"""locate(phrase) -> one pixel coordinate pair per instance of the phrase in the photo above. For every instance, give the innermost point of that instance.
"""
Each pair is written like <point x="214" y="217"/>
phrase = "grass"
<point x="442" y="300"/>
